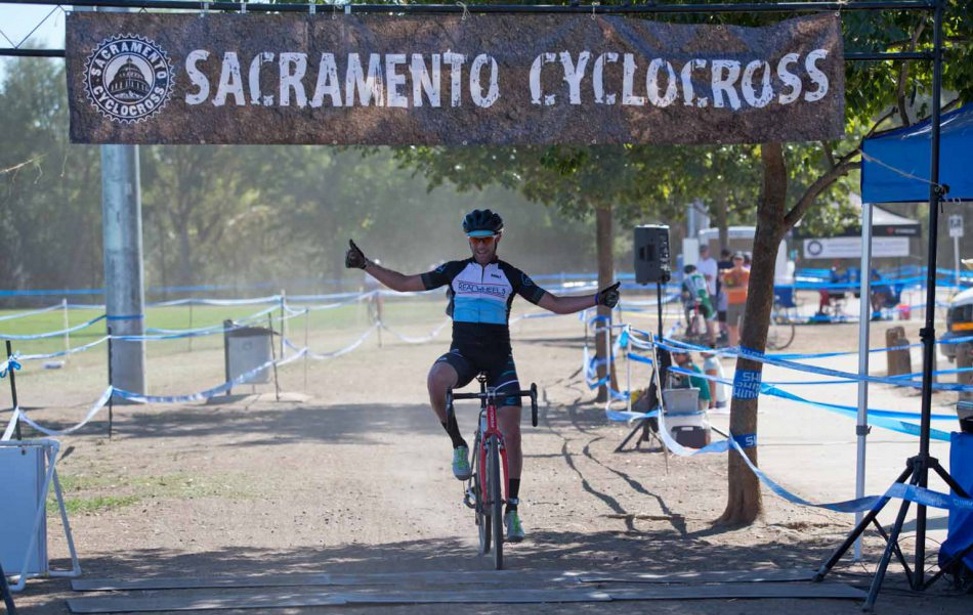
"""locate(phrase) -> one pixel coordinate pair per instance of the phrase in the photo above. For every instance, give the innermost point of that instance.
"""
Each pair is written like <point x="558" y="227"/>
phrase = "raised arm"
<point x="355" y="259"/>
<point x="570" y="304"/>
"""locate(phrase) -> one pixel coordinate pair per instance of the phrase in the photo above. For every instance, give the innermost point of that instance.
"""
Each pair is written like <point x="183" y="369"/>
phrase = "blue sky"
<point x="17" y="21"/>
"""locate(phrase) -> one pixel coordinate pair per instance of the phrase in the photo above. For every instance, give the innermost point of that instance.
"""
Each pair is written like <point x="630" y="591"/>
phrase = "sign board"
<point x="956" y="226"/>
<point x="500" y="79"/>
<point x="851" y="247"/>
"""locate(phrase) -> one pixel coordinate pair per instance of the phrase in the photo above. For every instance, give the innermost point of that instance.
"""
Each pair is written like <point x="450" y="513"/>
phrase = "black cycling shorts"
<point x="500" y="373"/>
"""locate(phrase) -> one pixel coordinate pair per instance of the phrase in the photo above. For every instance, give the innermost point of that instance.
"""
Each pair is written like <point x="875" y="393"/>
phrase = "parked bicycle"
<point x="484" y="492"/>
<point x="781" y="331"/>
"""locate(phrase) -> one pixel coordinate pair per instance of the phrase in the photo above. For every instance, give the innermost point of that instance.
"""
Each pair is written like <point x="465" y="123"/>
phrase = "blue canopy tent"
<point x="896" y="169"/>
<point x="895" y="164"/>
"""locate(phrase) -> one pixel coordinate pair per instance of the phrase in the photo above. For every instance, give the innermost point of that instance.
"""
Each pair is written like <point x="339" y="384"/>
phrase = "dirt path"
<point x="355" y="479"/>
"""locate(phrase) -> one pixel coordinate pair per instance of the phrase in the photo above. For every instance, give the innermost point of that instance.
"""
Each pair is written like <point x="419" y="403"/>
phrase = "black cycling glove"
<point x="354" y="257"/>
<point x="608" y="296"/>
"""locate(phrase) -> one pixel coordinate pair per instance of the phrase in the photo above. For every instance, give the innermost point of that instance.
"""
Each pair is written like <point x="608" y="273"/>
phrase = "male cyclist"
<point x="695" y="297"/>
<point x="481" y="290"/>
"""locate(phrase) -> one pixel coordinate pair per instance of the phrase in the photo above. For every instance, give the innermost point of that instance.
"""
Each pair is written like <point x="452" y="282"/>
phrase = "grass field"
<point x="177" y="364"/>
<point x="175" y="322"/>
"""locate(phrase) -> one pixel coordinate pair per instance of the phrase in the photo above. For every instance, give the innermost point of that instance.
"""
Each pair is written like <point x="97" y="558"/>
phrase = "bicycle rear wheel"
<point x="780" y="334"/>
<point x="495" y="504"/>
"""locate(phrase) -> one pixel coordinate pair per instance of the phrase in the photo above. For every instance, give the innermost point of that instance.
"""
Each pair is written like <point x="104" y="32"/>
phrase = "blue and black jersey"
<point x="481" y="296"/>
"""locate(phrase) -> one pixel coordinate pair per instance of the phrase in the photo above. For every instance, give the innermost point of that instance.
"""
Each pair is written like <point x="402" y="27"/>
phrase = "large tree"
<point x="878" y="94"/>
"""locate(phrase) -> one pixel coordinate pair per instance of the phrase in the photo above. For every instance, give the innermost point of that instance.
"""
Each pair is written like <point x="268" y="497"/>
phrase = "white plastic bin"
<point x="22" y="505"/>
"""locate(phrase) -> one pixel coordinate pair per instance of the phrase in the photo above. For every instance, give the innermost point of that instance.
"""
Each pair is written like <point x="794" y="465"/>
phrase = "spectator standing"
<point x="737" y="282"/>
<point x="709" y="268"/>
<point x="723" y="265"/>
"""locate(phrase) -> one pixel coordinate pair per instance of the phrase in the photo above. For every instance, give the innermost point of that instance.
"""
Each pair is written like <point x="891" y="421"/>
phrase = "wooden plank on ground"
<point x="273" y="600"/>
<point x="713" y="576"/>
<point x="432" y="577"/>
<point x="502" y="577"/>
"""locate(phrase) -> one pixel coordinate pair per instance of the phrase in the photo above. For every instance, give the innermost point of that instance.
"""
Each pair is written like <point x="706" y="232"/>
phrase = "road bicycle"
<point x="483" y="492"/>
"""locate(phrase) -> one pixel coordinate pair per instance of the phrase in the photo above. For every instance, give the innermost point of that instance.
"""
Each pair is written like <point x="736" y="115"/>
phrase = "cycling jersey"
<point x="481" y="299"/>
<point x="694" y="287"/>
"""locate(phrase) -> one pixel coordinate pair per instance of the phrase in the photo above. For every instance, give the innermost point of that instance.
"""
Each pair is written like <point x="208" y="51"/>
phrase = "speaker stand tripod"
<point x="8" y="598"/>
<point x="648" y="427"/>
<point x="915" y="474"/>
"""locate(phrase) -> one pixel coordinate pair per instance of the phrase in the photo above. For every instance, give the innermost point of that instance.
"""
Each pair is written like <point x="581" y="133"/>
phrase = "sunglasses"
<point x="483" y="240"/>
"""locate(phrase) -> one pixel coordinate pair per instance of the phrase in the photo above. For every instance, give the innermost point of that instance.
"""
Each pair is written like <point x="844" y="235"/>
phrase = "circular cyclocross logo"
<point x="128" y="78"/>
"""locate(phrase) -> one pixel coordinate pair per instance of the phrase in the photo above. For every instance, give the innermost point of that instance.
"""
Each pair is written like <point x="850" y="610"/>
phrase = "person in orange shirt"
<point x="736" y="282"/>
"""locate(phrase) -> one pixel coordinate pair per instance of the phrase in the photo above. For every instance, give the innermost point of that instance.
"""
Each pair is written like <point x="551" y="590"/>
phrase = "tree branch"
<point x="22" y="164"/>
<point x="845" y="166"/>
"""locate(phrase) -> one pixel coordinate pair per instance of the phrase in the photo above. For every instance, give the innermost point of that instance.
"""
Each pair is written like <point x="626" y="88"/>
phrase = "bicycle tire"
<point x="482" y="518"/>
<point x="780" y="333"/>
<point x="495" y="505"/>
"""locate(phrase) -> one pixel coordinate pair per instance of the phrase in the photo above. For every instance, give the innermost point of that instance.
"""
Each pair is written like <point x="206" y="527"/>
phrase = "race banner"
<point x="510" y="79"/>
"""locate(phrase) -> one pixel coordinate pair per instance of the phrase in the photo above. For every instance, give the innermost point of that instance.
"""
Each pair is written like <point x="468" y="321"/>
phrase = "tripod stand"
<point x="8" y="599"/>
<point x="918" y="467"/>
<point x="916" y="473"/>
<point x="649" y="426"/>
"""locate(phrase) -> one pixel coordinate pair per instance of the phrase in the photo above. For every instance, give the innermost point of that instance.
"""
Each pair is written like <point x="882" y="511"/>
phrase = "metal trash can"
<point x="246" y="349"/>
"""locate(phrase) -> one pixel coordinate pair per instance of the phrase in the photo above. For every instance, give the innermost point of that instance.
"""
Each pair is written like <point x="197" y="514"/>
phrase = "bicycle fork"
<point x="477" y="481"/>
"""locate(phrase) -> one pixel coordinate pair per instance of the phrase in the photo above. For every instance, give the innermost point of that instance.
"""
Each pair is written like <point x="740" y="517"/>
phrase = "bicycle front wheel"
<point x="480" y="509"/>
<point x="482" y="518"/>
<point x="496" y="500"/>
<point x="780" y="334"/>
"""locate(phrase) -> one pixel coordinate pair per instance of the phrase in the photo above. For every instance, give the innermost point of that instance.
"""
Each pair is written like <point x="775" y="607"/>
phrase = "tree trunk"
<point x="606" y="273"/>
<point x="185" y="264"/>
<point x="744" y="503"/>
<point x="719" y="212"/>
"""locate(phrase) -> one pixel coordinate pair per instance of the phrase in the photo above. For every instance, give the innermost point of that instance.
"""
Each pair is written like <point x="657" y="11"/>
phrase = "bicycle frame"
<point x="489" y="428"/>
<point x="487" y="501"/>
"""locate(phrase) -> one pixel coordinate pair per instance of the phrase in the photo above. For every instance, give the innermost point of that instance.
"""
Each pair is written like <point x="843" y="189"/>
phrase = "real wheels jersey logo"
<point x="128" y="78"/>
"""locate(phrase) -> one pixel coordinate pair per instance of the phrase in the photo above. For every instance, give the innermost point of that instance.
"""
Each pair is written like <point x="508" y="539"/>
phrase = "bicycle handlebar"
<point x="487" y="395"/>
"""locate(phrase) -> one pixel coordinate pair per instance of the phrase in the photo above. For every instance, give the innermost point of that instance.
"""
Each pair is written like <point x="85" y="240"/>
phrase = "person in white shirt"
<point x="708" y="267"/>
<point x="719" y="402"/>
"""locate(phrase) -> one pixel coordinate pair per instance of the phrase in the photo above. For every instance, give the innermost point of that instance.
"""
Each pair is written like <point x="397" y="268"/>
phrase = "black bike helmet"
<point x="482" y="223"/>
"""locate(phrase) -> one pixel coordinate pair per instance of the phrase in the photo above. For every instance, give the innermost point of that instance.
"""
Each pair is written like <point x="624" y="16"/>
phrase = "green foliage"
<point x="49" y="215"/>
<point x="237" y="215"/>
<point x="655" y="182"/>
